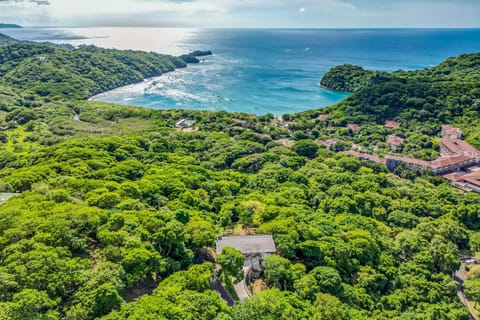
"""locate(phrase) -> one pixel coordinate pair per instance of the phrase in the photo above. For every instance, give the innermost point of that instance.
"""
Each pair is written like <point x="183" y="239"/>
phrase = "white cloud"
<point x="251" y="13"/>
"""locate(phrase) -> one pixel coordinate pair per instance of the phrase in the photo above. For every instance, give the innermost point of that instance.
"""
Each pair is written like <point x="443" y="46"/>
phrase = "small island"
<point x="199" y="53"/>
<point x="192" y="57"/>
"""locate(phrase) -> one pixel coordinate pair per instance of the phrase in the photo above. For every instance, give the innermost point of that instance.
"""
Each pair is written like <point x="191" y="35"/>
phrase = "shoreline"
<point x="320" y="85"/>
<point x="132" y="84"/>
<point x="195" y="54"/>
<point x="153" y="78"/>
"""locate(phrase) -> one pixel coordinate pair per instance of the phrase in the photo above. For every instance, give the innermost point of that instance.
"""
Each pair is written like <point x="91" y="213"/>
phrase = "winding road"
<point x="460" y="277"/>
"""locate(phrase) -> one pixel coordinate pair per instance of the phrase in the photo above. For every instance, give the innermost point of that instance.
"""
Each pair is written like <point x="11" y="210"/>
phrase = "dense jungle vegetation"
<point x="114" y="209"/>
<point x="447" y="93"/>
<point x="56" y="72"/>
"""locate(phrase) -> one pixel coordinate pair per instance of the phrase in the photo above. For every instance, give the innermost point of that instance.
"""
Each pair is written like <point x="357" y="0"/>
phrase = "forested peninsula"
<point x="112" y="212"/>
<point x="9" y="26"/>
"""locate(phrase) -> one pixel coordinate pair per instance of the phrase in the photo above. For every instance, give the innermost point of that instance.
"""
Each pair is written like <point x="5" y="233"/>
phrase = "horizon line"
<point x="247" y="27"/>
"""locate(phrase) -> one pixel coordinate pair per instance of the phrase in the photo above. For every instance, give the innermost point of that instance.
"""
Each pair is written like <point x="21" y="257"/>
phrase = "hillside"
<point x="115" y="207"/>
<point x="55" y="72"/>
<point x="420" y="101"/>
<point x="436" y="95"/>
<point x="4" y="40"/>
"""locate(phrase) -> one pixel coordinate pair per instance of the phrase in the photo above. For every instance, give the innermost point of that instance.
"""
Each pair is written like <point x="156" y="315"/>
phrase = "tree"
<point x="475" y="242"/>
<point x="106" y="200"/>
<point x="106" y="299"/>
<point x="273" y="304"/>
<point x="328" y="279"/>
<point x="33" y="304"/>
<point x="306" y="148"/>
<point x="232" y="261"/>
<point x="140" y="262"/>
<point x="402" y="219"/>
<point x="277" y="271"/>
<point x="200" y="233"/>
<point x="329" y="307"/>
<point x="307" y="287"/>
<point x="472" y="289"/>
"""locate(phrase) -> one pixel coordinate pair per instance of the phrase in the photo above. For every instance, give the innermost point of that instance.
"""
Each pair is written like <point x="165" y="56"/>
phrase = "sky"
<point x="243" y="13"/>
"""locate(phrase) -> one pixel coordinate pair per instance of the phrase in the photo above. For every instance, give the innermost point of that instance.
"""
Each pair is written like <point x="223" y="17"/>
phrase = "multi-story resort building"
<point x="459" y="161"/>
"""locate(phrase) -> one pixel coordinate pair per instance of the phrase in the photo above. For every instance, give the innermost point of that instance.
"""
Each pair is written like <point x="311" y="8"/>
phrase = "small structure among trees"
<point x="255" y="248"/>
<point x="184" y="124"/>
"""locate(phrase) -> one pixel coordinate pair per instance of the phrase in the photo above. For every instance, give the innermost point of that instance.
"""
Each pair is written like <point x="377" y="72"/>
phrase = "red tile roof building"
<point x="286" y="142"/>
<point x="457" y="162"/>
<point x="467" y="182"/>
<point x="451" y="132"/>
<point x="450" y="147"/>
<point x="365" y="156"/>
<point x="394" y="142"/>
<point x="392" y="124"/>
<point x="440" y="165"/>
<point x="354" y="127"/>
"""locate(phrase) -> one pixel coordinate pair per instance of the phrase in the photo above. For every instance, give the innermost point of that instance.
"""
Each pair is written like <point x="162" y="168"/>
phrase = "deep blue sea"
<point x="258" y="70"/>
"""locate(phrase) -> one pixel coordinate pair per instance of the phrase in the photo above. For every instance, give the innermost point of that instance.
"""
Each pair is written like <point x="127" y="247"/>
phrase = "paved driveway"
<point x="241" y="288"/>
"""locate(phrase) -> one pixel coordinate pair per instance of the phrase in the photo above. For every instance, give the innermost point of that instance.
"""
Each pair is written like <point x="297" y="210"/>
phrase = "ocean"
<point x="261" y="70"/>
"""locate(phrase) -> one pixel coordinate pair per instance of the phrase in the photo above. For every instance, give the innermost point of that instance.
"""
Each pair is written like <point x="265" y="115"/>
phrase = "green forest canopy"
<point x="120" y="202"/>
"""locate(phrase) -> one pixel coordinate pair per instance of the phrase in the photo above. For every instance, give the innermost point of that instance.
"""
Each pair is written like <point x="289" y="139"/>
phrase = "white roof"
<point x="256" y="244"/>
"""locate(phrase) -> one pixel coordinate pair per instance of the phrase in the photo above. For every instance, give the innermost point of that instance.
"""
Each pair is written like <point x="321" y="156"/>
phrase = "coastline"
<point x="156" y="77"/>
<point x="194" y="54"/>
<point x="320" y="85"/>
<point x="92" y="98"/>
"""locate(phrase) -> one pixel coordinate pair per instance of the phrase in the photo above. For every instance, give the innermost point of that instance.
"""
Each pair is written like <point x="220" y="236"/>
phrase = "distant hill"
<point x="4" y="39"/>
<point x="9" y="26"/>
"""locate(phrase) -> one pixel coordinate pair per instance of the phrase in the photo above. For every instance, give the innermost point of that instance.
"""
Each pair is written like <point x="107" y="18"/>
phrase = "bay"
<point x="261" y="70"/>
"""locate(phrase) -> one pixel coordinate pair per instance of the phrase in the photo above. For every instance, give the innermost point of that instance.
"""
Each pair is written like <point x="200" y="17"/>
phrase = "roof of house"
<point x="473" y="178"/>
<point x="286" y="142"/>
<point x="454" y="176"/>
<point x="184" y="122"/>
<point x="466" y="147"/>
<point x="410" y="161"/>
<point x="239" y="120"/>
<point x="333" y="140"/>
<point x="392" y="124"/>
<point x="255" y="244"/>
<point x="353" y="127"/>
<point x="449" y="161"/>
<point x="323" y="117"/>
<point x="365" y="156"/>
<point x="394" y="140"/>
<point x="450" y="130"/>
<point x="435" y="164"/>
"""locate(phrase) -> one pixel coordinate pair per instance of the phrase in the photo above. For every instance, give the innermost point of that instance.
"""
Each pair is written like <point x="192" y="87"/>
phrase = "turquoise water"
<point x="263" y="71"/>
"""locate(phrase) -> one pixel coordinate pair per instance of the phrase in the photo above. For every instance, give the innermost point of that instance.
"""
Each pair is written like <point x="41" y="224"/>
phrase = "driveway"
<point x="460" y="277"/>
<point x="241" y="288"/>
